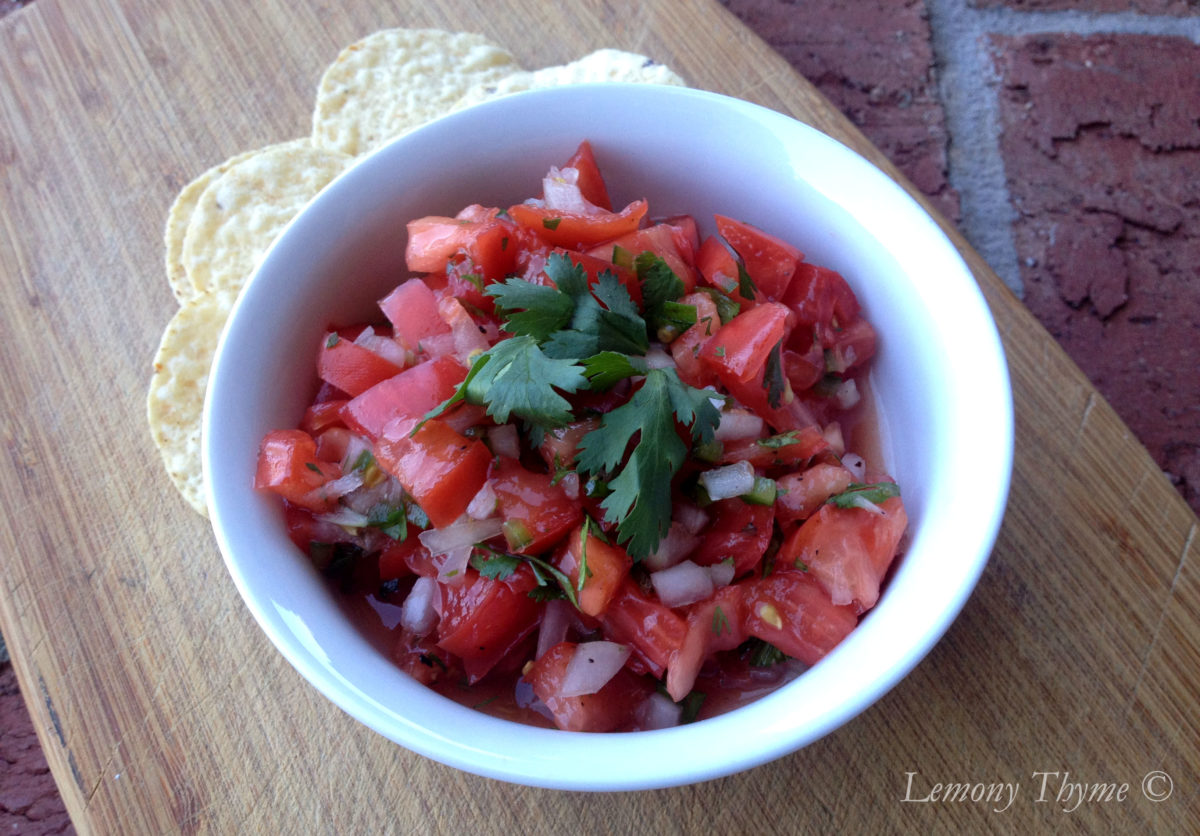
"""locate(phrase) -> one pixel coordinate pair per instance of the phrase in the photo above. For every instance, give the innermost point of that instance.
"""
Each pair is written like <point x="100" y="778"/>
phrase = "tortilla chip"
<point x="396" y="79"/>
<point x="603" y="65"/>
<point x="175" y="401"/>
<point x="241" y="211"/>
<point x="180" y="215"/>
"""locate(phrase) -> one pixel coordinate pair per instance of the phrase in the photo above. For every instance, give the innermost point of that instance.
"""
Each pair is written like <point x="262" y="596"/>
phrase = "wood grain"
<point x="161" y="706"/>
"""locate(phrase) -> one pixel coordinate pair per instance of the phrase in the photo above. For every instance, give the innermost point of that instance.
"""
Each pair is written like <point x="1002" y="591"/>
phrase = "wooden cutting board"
<point x="163" y="708"/>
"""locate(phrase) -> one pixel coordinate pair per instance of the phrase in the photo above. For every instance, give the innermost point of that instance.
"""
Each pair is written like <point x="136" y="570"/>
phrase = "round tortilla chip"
<point x="603" y="65"/>
<point x="180" y="215"/>
<point x="175" y="401"/>
<point x="241" y="211"/>
<point x="396" y="79"/>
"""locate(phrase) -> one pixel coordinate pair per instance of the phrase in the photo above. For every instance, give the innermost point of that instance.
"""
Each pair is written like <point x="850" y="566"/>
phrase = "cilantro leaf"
<point x="615" y="325"/>
<point x="495" y="565"/>
<point x="763" y="654"/>
<point x="727" y="309"/>
<point x="531" y="309"/>
<point x="859" y="494"/>
<point x="514" y="377"/>
<point x="606" y="369"/>
<point x="640" y="498"/>
<point x="660" y="290"/>
<point x="773" y="379"/>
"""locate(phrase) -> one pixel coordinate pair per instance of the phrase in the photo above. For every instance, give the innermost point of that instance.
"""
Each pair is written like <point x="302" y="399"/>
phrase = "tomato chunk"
<point x="651" y="629"/>
<point x="848" y="550"/>
<point x="790" y="610"/>
<point x="590" y="182"/>
<point x="288" y="465"/>
<point x="608" y="709"/>
<point x="483" y="619"/>
<point x="739" y="532"/>
<point x="769" y="261"/>
<point x="439" y="468"/>
<point x="606" y="566"/>
<point x="537" y="513"/>
<point x="577" y="231"/>
<point x="411" y="393"/>
<point x="350" y="367"/>
<point x="739" y="350"/>
<point x="412" y="310"/>
<point x="713" y="625"/>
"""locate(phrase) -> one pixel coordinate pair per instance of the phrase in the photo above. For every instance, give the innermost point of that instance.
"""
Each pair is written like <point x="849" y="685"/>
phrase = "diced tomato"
<point x="793" y="450"/>
<point x="570" y="229"/>
<point x="323" y="415"/>
<point x="803" y="492"/>
<point x="713" y="625"/>
<point x="411" y="393"/>
<point x="790" y="610"/>
<point x="769" y="261"/>
<point x="350" y="367"/>
<point x="590" y="182"/>
<point x="660" y="239"/>
<point x="289" y="466"/>
<point x="821" y="299"/>
<point x="718" y="268"/>
<point x="332" y="444"/>
<point x="685" y="348"/>
<point x="804" y="370"/>
<point x="609" y="709"/>
<point x="848" y="550"/>
<point x="852" y="346"/>
<point x="537" y="514"/>
<point x="477" y="231"/>
<point x="739" y="531"/>
<point x="652" y="630"/>
<point x="560" y="445"/>
<point x="423" y="660"/>
<point x="739" y="350"/>
<point x="606" y="565"/>
<point x="439" y="468"/>
<point x="412" y="310"/>
<point x="398" y="557"/>
<point x="687" y="236"/>
<point x="482" y="618"/>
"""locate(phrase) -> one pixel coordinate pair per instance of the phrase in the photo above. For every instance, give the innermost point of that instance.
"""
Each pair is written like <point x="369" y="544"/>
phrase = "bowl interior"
<point x="940" y="381"/>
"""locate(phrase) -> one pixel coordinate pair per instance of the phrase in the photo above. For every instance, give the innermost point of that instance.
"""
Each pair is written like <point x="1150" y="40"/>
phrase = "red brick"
<point x="874" y="61"/>
<point x="29" y="800"/>
<point x="1101" y="145"/>
<point x="1151" y="7"/>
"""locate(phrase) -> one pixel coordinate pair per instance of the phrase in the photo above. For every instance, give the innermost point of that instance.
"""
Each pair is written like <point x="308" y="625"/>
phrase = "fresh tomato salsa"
<point x="593" y="469"/>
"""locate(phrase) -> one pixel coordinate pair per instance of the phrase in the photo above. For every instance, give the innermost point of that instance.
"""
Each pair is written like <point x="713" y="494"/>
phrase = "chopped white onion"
<point x="673" y="548"/>
<point x="417" y="614"/>
<point x="657" y="358"/>
<point x="560" y="190"/>
<point x="682" y="584"/>
<point x="728" y="481"/>
<point x="722" y="573"/>
<point x="462" y="532"/>
<point x="385" y="347"/>
<point x="859" y="501"/>
<point x="738" y="424"/>
<point x="483" y="505"/>
<point x="856" y="465"/>
<point x="847" y="394"/>
<point x="658" y="711"/>
<point x="592" y="666"/>
<point x="833" y="435"/>
<point x="452" y="568"/>
<point x="570" y="484"/>
<point x="556" y="621"/>
<point x="505" y="441"/>
<point x="343" y="484"/>
<point x="345" y="517"/>
<point x="355" y="447"/>
<point x="691" y="517"/>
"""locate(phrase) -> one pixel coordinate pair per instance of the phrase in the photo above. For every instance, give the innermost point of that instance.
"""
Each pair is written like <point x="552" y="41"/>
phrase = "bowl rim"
<point x="704" y="755"/>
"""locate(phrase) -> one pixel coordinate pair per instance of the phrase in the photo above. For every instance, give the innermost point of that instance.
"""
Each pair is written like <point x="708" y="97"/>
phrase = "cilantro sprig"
<point x="589" y="335"/>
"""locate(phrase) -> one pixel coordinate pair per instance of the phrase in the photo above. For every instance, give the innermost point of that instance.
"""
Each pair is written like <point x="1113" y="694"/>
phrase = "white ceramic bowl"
<point x="940" y="378"/>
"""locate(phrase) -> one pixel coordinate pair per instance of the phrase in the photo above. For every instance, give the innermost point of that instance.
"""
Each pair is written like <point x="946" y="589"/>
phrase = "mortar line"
<point x="968" y="86"/>
<point x="1012" y="22"/>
